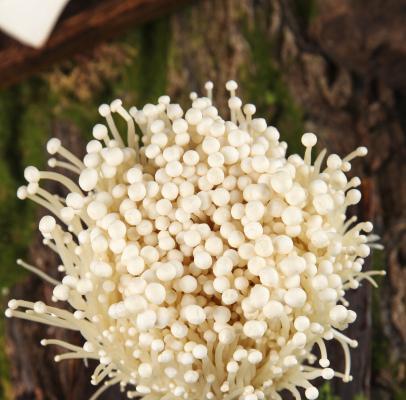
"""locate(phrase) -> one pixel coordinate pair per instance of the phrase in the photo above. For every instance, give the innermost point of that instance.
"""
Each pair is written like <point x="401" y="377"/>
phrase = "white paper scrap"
<point x="30" y="21"/>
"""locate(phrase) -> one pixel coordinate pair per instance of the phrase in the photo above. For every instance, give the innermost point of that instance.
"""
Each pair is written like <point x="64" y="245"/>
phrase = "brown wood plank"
<point x="78" y="30"/>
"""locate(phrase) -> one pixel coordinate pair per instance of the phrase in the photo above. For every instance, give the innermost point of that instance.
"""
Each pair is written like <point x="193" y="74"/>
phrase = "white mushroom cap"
<point x="208" y="237"/>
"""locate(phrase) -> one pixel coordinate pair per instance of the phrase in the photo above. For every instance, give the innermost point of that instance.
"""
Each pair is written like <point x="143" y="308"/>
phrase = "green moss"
<point x="400" y="394"/>
<point x="380" y="344"/>
<point x="24" y="128"/>
<point x="141" y="80"/>
<point x="8" y="213"/>
<point x="144" y="80"/>
<point x="305" y="10"/>
<point x="4" y="371"/>
<point x="262" y="84"/>
<point x="34" y="133"/>
<point x="11" y="211"/>
<point x="83" y="114"/>
<point x="326" y="393"/>
<point x="7" y="188"/>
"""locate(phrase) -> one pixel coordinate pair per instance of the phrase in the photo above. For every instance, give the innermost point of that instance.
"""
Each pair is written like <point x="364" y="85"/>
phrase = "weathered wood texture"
<point x="331" y="67"/>
<point x="82" y="25"/>
<point x="349" y="80"/>
<point x="342" y="63"/>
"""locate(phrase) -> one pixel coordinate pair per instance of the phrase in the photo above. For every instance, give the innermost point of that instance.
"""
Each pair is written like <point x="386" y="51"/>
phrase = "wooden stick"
<point x="80" y="28"/>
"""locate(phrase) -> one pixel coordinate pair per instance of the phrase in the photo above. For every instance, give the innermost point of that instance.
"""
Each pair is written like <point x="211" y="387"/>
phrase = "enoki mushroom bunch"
<point x="206" y="263"/>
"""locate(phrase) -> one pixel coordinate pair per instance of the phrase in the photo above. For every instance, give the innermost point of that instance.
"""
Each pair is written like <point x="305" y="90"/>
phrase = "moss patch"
<point x="262" y="83"/>
<point x="305" y="10"/>
<point x="326" y="393"/>
<point x="380" y="344"/>
<point x="146" y="77"/>
<point x="21" y="130"/>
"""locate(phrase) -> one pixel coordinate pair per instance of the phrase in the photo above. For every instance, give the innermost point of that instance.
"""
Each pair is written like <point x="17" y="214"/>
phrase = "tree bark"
<point x="335" y="68"/>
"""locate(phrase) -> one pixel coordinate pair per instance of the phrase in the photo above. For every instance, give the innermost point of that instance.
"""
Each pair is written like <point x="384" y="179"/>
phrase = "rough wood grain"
<point x="350" y="85"/>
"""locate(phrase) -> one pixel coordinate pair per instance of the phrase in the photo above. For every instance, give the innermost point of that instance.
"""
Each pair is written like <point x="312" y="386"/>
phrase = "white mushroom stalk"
<point x="206" y="263"/>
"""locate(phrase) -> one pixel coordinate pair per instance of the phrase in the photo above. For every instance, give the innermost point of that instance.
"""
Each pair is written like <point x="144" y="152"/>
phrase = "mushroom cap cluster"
<point x="205" y="263"/>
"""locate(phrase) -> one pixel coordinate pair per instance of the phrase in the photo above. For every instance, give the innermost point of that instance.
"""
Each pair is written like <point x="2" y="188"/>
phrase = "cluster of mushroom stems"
<point x="202" y="261"/>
